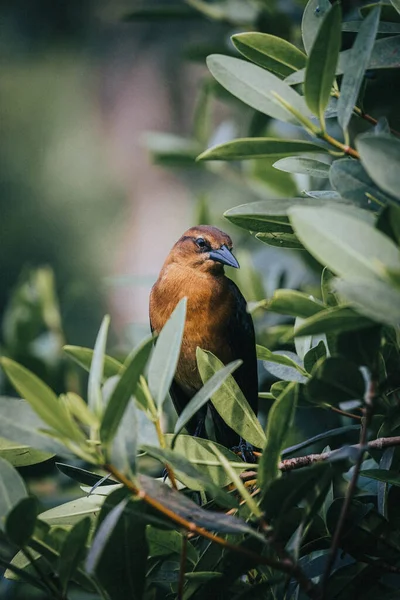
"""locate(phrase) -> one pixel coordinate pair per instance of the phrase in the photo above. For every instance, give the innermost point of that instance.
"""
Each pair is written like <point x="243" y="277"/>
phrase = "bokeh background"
<point x="104" y="106"/>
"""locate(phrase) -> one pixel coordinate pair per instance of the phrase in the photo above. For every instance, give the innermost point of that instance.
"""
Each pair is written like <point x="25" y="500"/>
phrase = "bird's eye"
<point x="201" y="242"/>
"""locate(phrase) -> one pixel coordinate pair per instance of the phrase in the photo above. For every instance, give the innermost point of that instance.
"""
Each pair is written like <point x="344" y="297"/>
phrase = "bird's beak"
<point x="224" y="256"/>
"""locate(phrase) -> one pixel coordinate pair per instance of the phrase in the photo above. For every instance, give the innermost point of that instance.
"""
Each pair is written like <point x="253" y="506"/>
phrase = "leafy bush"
<point x="294" y="525"/>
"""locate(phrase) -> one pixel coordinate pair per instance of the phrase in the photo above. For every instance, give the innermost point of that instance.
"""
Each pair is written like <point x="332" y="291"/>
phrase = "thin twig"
<point x="345" y="413"/>
<point x="368" y="411"/>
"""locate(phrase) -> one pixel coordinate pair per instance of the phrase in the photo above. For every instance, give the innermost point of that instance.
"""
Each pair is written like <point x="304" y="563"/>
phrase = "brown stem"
<point x="368" y="411"/>
<point x="285" y="566"/>
<point x="342" y="147"/>
<point x="345" y="413"/>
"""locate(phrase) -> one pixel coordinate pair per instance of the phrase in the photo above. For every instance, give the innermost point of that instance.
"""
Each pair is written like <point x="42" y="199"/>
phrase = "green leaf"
<point x="293" y="303"/>
<point x="80" y="475"/>
<point x="283" y="359"/>
<point x="123" y="391"/>
<point x="163" y="542"/>
<point x="165" y="357"/>
<point x="42" y="399"/>
<point x="380" y="155"/>
<point x="256" y="87"/>
<point x="231" y="403"/>
<point x="331" y="320"/>
<point x="73" y="551"/>
<point x="251" y="148"/>
<point x="270" y="52"/>
<point x="12" y="489"/>
<point x="326" y="435"/>
<point x="354" y="26"/>
<point x="21" y="424"/>
<point x="396" y="5"/>
<point x="280" y="421"/>
<point x="20" y="455"/>
<point x="355" y="67"/>
<point x="313" y="355"/>
<point x="303" y="166"/>
<point x="375" y="299"/>
<point x="343" y="242"/>
<point x="335" y="380"/>
<point x="95" y="399"/>
<point x="199" y="453"/>
<point x="21" y="520"/>
<point x="388" y="10"/>
<point x="205" y="393"/>
<point x="313" y="15"/>
<point x="266" y="214"/>
<point x="387" y="476"/>
<point x="189" y="475"/>
<point x="72" y="512"/>
<point x="280" y="239"/>
<point x="83" y="356"/>
<point x="171" y="150"/>
<point x="350" y="179"/>
<point x="321" y="65"/>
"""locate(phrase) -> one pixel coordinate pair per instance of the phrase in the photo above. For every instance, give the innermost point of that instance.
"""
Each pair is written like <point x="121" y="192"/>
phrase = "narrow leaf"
<point x="165" y="357"/>
<point x="303" y="166"/>
<point x="313" y="15"/>
<point x="251" y="148"/>
<point x="12" y="489"/>
<point x="380" y="155"/>
<point x="84" y="356"/>
<point x="73" y="551"/>
<point x="355" y="67"/>
<point x="21" y="520"/>
<point x="95" y="400"/>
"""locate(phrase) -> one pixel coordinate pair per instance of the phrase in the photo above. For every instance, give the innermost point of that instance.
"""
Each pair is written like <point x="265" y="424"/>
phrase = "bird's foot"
<point x="246" y="451"/>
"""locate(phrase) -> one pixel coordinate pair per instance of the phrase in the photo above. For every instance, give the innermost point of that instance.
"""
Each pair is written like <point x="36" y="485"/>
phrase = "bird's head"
<point x="204" y="248"/>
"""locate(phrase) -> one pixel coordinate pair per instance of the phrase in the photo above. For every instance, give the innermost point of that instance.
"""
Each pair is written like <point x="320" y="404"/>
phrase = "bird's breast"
<point x="209" y="306"/>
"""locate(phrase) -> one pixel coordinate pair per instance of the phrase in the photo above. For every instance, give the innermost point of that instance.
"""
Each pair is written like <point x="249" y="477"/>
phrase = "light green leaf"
<point x="304" y="166"/>
<point x="42" y="399"/>
<point x="72" y="512"/>
<point x="251" y="148"/>
<point x="331" y="320"/>
<point x="313" y="14"/>
<point x="380" y="155"/>
<point x="321" y="65"/>
<point x="280" y="421"/>
<point x="204" y="394"/>
<point x="231" y="403"/>
<point x="354" y="26"/>
<point x="281" y="359"/>
<point x="83" y="356"/>
<point x="12" y="489"/>
<point x="256" y="87"/>
<point x="375" y="299"/>
<point x="280" y="239"/>
<point x="21" y="455"/>
<point x="165" y="357"/>
<point x="95" y="399"/>
<point x="343" y="242"/>
<point x="293" y="303"/>
<point x="270" y="52"/>
<point x="355" y="67"/>
<point x="350" y="179"/>
<point x="123" y="391"/>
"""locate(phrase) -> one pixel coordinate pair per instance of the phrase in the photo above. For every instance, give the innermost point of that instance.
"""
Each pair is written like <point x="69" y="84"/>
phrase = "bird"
<point x="217" y="320"/>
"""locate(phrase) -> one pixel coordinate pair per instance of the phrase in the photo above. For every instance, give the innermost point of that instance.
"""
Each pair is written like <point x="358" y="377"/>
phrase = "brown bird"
<point x="216" y="320"/>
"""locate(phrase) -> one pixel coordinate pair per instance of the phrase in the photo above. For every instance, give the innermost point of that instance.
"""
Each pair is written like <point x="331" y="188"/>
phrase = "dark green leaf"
<point x="165" y="357"/>
<point x="251" y="148"/>
<point x="280" y="420"/>
<point x="388" y="10"/>
<point x="355" y="67"/>
<point x="392" y="477"/>
<point x="123" y="391"/>
<point x="231" y="403"/>
<point x="350" y="179"/>
<point x="312" y="17"/>
<point x="321" y="65"/>
<point x="354" y="26"/>
<point x="271" y="52"/>
<point x="380" y="155"/>
<point x="204" y="394"/>
<point x="335" y="380"/>
<point x="163" y="542"/>
<point x="95" y="399"/>
<point x="83" y="356"/>
<point x="340" y="240"/>
<point x="313" y="355"/>
<point x="42" y="399"/>
<point x="303" y="166"/>
<point x="256" y="87"/>
<point x="12" y="489"/>
<point x="81" y="475"/>
<point x="336" y="319"/>
<point x="73" y="551"/>
<point x="326" y="435"/>
<point x="20" y="522"/>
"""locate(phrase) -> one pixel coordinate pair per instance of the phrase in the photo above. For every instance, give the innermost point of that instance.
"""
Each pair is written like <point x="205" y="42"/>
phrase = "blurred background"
<point x="104" y="107"/>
